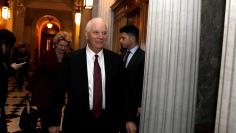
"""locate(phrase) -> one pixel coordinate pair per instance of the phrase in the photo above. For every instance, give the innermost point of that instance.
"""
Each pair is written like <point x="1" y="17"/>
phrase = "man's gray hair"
<point x="90" y="23"/>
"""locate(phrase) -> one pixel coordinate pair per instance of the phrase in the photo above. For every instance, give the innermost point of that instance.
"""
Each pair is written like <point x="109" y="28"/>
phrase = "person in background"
<point x="21" y="55"/>
<point x="93" y="79"/>
<point x="43" y="78"/>
<point x="7" y="41"/>
<point x="134" y="65"/>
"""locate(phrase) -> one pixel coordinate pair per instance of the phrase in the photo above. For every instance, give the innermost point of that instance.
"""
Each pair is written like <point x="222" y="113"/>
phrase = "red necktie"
<point x="97" y="89"/>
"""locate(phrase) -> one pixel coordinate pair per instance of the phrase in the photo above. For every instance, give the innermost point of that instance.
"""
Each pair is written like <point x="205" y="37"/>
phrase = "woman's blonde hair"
<point x="62" y="35"/>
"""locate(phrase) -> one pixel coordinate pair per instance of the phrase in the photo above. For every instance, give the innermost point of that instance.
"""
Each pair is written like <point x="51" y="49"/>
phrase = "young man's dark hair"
<point x="131" y="29"/>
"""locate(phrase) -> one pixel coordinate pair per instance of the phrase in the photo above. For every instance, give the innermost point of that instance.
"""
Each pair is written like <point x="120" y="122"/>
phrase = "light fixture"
<point x="77" y="18"/>
<point x="49" y="25"/>
<point x="5" y="10"/>
<point x="88" y="4"/>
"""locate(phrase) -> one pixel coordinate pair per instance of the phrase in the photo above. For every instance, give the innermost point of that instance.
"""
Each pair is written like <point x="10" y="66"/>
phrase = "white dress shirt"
<point x="90" y="56"/>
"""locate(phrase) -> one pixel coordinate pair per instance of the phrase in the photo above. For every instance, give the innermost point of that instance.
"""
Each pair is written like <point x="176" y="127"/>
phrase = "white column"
<point x="102" y="9"/>
<point x="226" y="106"/>
<point x="171" y="66"/>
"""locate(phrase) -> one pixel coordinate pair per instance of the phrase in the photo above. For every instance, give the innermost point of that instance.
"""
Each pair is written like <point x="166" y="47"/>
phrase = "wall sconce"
<point x="88" y="4"/>
<point x="5" y="10"/>
<point x="77" y="18"/>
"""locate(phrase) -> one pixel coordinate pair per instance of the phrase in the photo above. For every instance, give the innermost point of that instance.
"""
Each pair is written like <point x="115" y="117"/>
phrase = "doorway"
<point x="47" y="35"/>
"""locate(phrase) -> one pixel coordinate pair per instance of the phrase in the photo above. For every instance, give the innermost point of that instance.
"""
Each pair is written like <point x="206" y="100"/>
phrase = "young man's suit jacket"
<point x="134" y="72"/>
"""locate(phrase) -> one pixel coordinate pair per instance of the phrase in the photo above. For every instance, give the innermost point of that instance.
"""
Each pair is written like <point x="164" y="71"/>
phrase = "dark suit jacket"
<point x="74" y="77"/>
<point x="134" y="73"/>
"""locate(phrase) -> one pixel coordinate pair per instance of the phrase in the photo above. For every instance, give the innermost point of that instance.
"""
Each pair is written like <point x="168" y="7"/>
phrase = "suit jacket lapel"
<point x="107" y="70"/>
<point x="84" y="70"/>
<point x="84" y="64"/>
<point x="134" y="58"/>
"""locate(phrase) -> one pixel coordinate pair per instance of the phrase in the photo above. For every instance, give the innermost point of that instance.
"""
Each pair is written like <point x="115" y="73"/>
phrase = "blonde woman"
<point x="61" y="42"/>
<point x="45" y="74"/>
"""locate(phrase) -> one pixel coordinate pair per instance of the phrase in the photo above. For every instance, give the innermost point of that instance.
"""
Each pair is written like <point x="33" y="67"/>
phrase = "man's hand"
<point x="131" y="127"/>
<point x="54" y="129"/>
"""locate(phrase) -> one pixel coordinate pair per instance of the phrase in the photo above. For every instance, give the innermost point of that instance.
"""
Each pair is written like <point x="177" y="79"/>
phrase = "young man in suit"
<point x="134" y="64"/>
<point x="92" y="77"/>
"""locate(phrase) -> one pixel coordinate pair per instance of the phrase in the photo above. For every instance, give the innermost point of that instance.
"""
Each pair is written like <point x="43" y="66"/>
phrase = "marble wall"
<point x="212" y="24"/>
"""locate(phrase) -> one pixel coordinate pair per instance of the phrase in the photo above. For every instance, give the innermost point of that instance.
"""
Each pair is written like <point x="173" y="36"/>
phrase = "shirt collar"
<point x="91" y="54"/>
<point x="134" y="49"/>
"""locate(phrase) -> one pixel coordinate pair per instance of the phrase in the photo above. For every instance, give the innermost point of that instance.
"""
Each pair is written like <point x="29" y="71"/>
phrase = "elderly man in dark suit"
<point x="134" y="64"/>
<point x="92" y="76"/>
